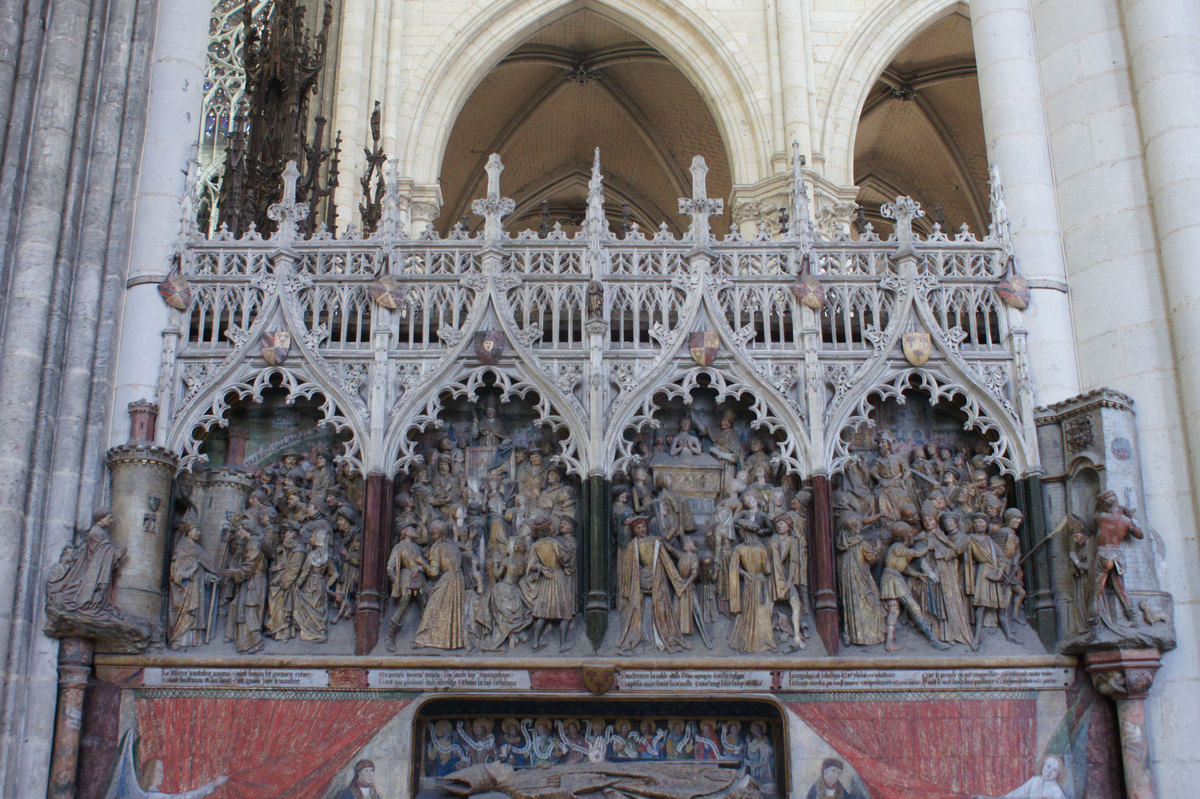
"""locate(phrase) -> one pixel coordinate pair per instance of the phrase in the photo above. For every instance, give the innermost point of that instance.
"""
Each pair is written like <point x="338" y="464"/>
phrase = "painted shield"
<point x="176" y="292"/>
<point x="275" y="346"/>
<point x="387" y="292"/>
<point x="703" y="346"/>
<point x="809" y="292"/>
<point x="489" y="346"/>
<point x="1014" y="290"/>
<point x="155" y="504"/>
<point x="917" y="347"/>
<point x="599" y="679"/>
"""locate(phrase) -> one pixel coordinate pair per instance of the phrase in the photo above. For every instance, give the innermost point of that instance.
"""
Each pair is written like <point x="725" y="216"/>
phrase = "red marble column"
<point x="235" y="454"/>
<point x="820" y="549"/>
<point x="1126" y="676"/>
<point x="74" y="668"/>
<point x="372" y="587"/>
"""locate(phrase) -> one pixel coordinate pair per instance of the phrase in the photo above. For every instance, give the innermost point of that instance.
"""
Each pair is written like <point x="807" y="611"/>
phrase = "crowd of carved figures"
<point x="452" y="744"/>
<point x="925" y="531"/>
<point x="485" y="547"/>
<point x="288" y="564"/>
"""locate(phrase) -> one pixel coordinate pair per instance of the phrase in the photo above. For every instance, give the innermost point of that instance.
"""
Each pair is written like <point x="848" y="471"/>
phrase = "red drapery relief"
<point x="931" y="750"/>
<point x="267" y="747"/>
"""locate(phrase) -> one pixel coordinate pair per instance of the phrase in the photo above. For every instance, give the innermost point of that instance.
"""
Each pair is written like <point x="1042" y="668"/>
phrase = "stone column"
<point x="1163" y="40"/>
<point x="372" y="581"/>
<point x="74" y="668"/>
<point x="235" y="452"/>
<point x="820" y="553"/>
<point x="1014" y="120"/>
<point x="141" y="490"/>
<point x="598" y="555"/>
<point x="1126" y="675"/>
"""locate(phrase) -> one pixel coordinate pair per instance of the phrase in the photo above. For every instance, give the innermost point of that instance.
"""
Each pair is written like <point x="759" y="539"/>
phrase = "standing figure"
<point x="191" y="570"/>
<point x="1081" y="572"/>
<point x="690" y="607"/>
<point x="951" y="620"/>
<point x="443" y="623"/>
<point x="760" y="757"/>
<point x="751" y="595"/>
<point x="1010" y="549"/>
<point x="406" y="567"/>
<point x="313" y="587"/>
<point x="789" y="573"/>
<point x="249" y="577"/>
<point x="646" y="576"/>
<point x="551" y="570"/>
<point x="281" y="596"/>
<point x="1113" y="524"/>
<point x="890" y="477"/>
<point x="864" y="621"/>
<point x="986" y="583"/>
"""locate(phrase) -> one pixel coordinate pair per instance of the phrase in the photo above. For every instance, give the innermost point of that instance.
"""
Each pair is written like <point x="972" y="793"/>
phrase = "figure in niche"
<point x="314" y="587"/>
<point x="1081" y="571"/>
<point x="985" y="579"/>
<point x="707" y="746"/>
<point x="422" y="495"/>
<point x="508" y="610"/>
<point x="514" y="744"/>
<point x="573" y="742"/>
<point x="686" y="444"/>
<point x="551" y="571"/>
<point x="406" y="516"/>
<point x="406" y="567"/>
<point x="1010" y="549"/>
<point x="192" y="571"/>
<point x="446" y="496"/>
<point x="641" y="492"/>
<point x="443" y="755"/>
<point x="751" y="594"/>
<point x="864" y="621"/>
<point x="733" y="747"/>
<point x="721" y="539"/>
<point x="679" y="744"/>
<point x="480" y="741"/>
<point x="443" y="624"/>
<point x="894" y="587"/>
<point x="890" y="475"/>
<point x="646" y="576"/>
<point x="726" y="443"/>
<point x="490" y="430"/>
<point x="531" y="477"/>
<point x="1113" y="524"/>
<point x="281" y="596"/>
<point x="674" y="514"/>
<point x="249" y="578"/>
<point x="923" y="467"/>
<point x="85" y="587"/>
<point x="758" y="458"/>
<point x="557" y="498"/>
<point x="751" y="519"/>
<point x="322" y="475"/>
<point x="789" y="570"/>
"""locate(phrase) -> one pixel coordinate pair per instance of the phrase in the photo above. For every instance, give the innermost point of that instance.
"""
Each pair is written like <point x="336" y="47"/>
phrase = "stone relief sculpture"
<point x="192" y="575"/>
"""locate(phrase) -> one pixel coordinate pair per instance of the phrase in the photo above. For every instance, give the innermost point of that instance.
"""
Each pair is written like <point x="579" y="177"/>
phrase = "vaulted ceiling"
<point x="921" y="132"/>
<point x="579" y="83"/>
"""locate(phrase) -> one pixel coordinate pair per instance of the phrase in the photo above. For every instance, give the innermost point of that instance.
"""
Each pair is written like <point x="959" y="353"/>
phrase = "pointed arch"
<point x="865" y="53"/>
<point x="689" y="37"/>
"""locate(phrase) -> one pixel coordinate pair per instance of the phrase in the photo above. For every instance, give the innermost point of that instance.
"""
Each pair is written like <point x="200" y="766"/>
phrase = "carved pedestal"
<point x="1126" y="676"/>
<point x="141" y="490"/>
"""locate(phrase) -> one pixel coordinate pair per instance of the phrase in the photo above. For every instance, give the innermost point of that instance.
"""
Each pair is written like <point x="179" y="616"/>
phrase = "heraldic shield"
<point x="917" y="347"/>
<point x="387" y="291"/>
<point x="489" y="346"/>
<point x="599" y="678"/>
<point x="703" y="346"/>
<point x="275" y="346"/>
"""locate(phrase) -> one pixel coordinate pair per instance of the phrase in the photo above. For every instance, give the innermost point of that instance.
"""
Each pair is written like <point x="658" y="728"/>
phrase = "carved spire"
<point x="595" y="223"/>
<point x="700" y="206"/>
<point x="494" y="208"/>
<point x="904" y="211"/>
<point x="1001" y="229"/>
<point x="800" y="226"/>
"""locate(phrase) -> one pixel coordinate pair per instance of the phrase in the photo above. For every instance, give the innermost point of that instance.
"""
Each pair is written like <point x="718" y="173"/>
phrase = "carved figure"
<point x="192" y="570"/>
<point x="86" y="587"/>
<point x="690" y="615"/>
<point x="686" y="443"/>
<point x="443" y="623"/>
<point x="894" y="587"/>
<point x="760" y="755"/>
<point x="789" y="573"/>
<point x="948" y="609"/>
<point x="751" y="596"/>
<point x="281" y="596"/>
<point x="1010" y="548"/>
<point x="864" y="621"/>
<point x="508" y="610"/>
<point x="646" y="576"/>
<point x="551" y="569"/>
<point x="490" y="430"/>
<point x="1081" y="572"/>
<point x="406" y="567"/>
<point x="1113" y="524"/>
<point x="318" y="575"/>
<point x="682" y="780"/>
<point x="249" y="577"/>
<point x="890" y="475"/>
<point x="674" y="515"/>
<point x="985" y="582"/>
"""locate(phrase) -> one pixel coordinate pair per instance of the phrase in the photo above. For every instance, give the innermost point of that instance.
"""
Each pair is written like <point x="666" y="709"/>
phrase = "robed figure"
<point x="647" y="577"/>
